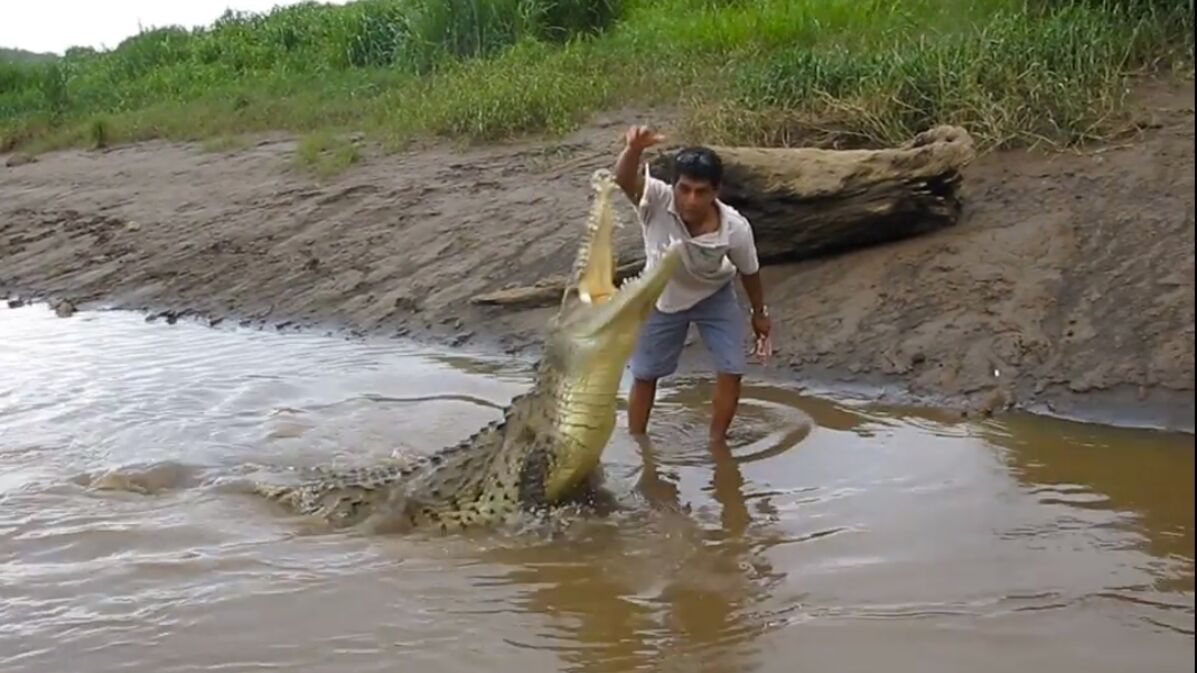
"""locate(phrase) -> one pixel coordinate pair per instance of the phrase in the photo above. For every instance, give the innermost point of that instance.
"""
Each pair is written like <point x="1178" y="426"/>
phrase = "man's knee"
<point x="728" y="366"/>
<point x="644" y="373"/>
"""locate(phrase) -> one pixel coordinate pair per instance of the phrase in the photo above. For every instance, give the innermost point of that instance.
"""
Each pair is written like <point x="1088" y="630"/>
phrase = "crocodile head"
<point x="590" y="340"/>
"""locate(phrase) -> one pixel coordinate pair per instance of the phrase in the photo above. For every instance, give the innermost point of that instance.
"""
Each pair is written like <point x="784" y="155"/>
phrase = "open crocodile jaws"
<point x="549" y="439"/>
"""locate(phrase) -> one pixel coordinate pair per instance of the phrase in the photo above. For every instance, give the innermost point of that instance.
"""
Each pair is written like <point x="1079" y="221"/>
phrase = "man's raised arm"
<point x="627" y="166"/>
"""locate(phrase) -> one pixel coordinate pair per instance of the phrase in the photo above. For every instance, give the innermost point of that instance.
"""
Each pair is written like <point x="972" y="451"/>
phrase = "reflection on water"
<point x="1143" y="482"/>
<point x="829" y="536"/>
<point x="674" y="596"/>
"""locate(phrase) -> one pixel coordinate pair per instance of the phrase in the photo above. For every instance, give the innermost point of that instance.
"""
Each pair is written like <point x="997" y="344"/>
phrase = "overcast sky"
<point x="55" y="25"/>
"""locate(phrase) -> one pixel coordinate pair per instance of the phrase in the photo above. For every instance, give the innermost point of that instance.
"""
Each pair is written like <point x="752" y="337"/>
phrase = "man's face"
<point x="693" y="198"/>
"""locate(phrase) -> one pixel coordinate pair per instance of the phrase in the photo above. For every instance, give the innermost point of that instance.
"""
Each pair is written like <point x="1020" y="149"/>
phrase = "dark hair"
<point x="698" y="163"/>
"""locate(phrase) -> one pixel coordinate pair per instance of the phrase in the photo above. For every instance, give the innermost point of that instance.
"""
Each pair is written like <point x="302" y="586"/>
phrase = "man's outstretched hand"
<point x="642" y="137"/>
<point x="627" y="175"/>
<point x="762" y="328"/>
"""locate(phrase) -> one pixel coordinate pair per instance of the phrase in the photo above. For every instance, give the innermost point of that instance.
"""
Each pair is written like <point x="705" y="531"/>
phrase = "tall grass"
<point x="1053" y="75"/>
<point x="763" y="71"/>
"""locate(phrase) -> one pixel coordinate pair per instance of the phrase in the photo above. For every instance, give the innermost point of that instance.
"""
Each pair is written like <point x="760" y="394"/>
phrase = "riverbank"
<point x="1067" y="286"/>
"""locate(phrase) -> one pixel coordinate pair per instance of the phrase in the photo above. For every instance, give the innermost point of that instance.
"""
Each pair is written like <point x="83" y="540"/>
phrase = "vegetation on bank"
<point x="23" y="56"/>
<point x="776" y="72"/>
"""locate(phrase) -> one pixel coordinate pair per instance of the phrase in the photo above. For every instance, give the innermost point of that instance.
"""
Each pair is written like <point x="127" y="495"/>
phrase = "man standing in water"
<point x="719" y="243"/>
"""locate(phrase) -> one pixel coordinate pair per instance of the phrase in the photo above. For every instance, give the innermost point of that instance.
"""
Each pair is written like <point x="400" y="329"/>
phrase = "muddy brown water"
<point x="841" y="537"/>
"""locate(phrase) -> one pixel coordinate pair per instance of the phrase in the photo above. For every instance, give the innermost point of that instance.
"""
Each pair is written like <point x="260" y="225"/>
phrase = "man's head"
<point x="698" y="172"/>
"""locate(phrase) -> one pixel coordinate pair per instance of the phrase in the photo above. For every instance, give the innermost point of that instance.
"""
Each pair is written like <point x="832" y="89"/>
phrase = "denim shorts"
<point x="720" y="324"/>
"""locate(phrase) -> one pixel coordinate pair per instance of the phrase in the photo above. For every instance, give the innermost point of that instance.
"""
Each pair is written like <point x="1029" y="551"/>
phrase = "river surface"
<point x="841" y="537"/>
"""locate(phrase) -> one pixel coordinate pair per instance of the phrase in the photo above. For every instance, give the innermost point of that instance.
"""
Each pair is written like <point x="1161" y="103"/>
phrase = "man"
<point x="719" y="243"/>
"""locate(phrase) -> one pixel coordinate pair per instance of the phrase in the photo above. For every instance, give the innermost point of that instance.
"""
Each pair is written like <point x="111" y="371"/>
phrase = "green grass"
<point x="218" y="144"/>
<point x="777" y="72"/>
<point x="326" y="154"/>
<point x="1017" y="78"/>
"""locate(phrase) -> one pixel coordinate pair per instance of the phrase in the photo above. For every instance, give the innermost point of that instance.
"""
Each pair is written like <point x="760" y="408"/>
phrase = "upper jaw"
<point x="633" y="301"/>
<point x="603" y="307"/>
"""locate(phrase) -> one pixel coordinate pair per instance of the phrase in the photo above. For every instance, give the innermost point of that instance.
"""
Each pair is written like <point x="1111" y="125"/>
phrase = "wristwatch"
<point x="764" y="312"/>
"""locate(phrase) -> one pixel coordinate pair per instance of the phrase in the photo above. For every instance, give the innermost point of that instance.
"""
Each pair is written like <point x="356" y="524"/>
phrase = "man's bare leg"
<point x="723" y="408"/>
<point x="640" y="405"/>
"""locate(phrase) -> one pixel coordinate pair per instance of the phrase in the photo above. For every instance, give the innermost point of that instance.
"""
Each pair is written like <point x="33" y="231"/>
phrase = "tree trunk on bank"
<point x="807" y="202"/>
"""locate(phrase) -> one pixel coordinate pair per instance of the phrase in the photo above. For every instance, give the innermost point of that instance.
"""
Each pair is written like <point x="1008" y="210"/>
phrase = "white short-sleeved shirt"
<point x="709" y="261"/>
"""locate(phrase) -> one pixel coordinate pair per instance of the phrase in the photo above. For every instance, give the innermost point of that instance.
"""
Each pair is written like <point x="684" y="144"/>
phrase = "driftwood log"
<point x="808" y="202"/>
<point x="548" y="290"/>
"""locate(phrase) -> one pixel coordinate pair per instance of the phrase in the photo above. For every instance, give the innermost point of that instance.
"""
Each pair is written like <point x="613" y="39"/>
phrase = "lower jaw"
<point x="581" y="444"/>
<point x="589" y="430"/>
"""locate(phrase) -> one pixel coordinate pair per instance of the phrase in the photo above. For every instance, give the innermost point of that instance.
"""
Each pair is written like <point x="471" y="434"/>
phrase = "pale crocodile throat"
<point x="549" y="440"/>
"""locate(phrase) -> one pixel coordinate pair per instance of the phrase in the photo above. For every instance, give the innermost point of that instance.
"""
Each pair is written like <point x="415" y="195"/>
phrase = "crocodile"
<point x="548" y="443"/>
